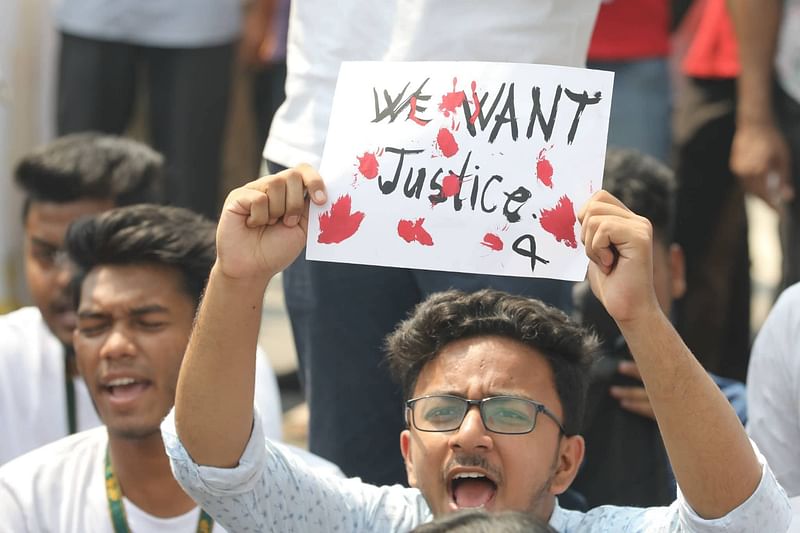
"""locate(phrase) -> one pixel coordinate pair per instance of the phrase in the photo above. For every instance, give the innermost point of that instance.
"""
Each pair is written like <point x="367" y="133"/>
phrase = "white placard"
<point x="462" y="166"/>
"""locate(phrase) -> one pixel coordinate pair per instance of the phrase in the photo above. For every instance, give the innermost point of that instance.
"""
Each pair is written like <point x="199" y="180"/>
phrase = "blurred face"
<point x="46" y="267"/>
<point x="133" y="326"/>
<point x="473" y="467"/>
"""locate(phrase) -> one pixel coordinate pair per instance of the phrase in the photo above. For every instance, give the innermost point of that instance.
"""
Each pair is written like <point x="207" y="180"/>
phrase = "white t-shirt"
<point x="773" y="390"/>
<point x="33" y="405"/>
<point x="322" y="34"/>
<point x="161" y="23"/>
<point x="61" y="488"/>
<point x="788" y="58"/>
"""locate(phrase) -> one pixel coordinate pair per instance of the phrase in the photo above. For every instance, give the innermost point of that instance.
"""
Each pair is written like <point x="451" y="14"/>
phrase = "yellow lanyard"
<point x="118" y="517"/>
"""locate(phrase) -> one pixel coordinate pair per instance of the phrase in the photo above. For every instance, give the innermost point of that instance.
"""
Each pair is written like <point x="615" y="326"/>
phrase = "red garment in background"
<point x="713" y="51"/>
<point x="630" y="29"/>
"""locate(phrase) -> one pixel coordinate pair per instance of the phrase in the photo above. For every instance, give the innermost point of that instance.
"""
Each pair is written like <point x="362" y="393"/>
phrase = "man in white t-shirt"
<point x="773" y="390"/>
<point x="324" y="299"/>
<point x="42" y="398"/>
<point x="140" y="272"/>
<point x="494" y="387"/>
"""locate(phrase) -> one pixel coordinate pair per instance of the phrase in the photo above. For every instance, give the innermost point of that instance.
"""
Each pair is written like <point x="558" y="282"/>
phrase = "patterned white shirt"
<point x="271" y="491"/>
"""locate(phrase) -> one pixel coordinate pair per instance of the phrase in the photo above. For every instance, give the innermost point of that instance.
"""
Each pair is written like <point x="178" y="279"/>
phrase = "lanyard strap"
<point x="117" y="509"/>
<point x="72" y="419"/>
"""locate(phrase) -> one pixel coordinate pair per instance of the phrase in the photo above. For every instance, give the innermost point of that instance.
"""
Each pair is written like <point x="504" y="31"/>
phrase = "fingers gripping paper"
<point x="464" y="167"/>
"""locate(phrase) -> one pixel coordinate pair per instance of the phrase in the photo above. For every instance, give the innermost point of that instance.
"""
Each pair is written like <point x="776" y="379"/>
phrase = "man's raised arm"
<point x="714" y="463"/>
<point x="261" y="230"/>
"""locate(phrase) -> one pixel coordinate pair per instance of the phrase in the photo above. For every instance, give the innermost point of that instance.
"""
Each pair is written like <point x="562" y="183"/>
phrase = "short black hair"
<point x="453" y="315"/>
<point x="645" y="185"/>
<point x="147" y="234"/>
<point x="475" y="521"/>
<point x="91" y="166"/>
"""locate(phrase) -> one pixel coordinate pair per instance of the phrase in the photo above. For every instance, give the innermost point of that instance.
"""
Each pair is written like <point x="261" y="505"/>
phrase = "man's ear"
<point x="677" y="270"/>
<point x="570" y="457"/>
<point x="405" y="449"/>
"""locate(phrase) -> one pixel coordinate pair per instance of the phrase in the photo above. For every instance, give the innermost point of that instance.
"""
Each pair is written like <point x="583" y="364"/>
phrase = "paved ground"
<point x="276" y="337"/>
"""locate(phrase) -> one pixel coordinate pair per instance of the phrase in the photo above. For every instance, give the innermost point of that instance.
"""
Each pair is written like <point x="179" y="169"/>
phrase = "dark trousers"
<point x="187" y="92"/>
<point x="340" y="315"/>
<point x="714" y="316"/>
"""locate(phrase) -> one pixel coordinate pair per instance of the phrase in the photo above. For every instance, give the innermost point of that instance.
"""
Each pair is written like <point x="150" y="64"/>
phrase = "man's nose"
<point x="117" y="344"/>
<point x="472" y="434"/>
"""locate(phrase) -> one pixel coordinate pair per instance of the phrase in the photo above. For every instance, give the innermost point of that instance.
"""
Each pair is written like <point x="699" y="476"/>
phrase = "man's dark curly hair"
<point x="145" y="234"/>
<point x="453" y="315"/>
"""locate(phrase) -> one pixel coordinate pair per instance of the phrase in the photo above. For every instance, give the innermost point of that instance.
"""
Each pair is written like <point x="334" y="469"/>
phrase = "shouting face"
<point x="134" y="323"/>
<point x="474" y="467"/>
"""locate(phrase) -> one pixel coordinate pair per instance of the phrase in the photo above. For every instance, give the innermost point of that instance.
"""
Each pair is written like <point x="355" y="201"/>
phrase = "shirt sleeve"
<point x="271" y="490"/>
<point x="767" y="509"/>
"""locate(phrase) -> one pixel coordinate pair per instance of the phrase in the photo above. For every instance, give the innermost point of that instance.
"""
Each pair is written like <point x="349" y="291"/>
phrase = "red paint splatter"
<point x="475" y="102"/>
<point x="339" y="224"/>
<point x="452" y="100"/>
<point x="451" y="185"/>
<point x="446" y="143"/>
<point x="368" y="165"/>
<point x="412" y="231"/>
<point x="493" y="242"/>
<point x="544" y="170"/>
<point x="560" y="221"/>
<point x="412" y="115"/>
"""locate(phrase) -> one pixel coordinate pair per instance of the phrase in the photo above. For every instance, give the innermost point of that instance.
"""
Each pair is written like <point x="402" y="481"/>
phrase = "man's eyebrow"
<point x="89" y="315"/>
<point x="493" y="393"/>
<point x="139" y="311"/>
<point x="147" y="309"/>
<point x="43" y="243"/>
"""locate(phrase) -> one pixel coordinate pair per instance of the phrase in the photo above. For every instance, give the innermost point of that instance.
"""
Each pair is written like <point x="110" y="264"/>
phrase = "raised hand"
<point x="619" y="244"/>
<point x="263" y="224"/>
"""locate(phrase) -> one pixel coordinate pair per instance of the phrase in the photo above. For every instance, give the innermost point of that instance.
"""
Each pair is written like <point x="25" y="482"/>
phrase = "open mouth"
<point x="471" y="490"/>
<point x="123" y="390"/>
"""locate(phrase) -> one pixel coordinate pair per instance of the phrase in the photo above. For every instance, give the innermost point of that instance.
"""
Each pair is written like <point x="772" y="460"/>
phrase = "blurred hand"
<point x="633" y="398"/>
<point x="258" y="42"/>
<point x="761" y="158"/>
<point x="263" y="224"/>
<point x="619" y="244"/>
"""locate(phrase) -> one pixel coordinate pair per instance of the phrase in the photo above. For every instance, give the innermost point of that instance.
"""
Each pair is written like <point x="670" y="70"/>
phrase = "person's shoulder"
<point x="613" y="518"/>
<point x="24" y="319"/>
<point x="27" y="346"/>
<point x="55" y="459"/>
<point x="23" y="329"/>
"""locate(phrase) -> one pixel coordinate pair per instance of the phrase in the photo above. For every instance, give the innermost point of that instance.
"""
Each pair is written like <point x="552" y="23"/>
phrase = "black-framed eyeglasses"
<point x="509" y="415"/>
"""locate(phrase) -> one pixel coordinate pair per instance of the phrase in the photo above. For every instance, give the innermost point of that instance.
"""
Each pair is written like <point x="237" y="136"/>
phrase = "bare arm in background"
<point x="710" y="453"/>
<point x="261" y="230"/>
<point x="760" y="155"/>
<point x="258" y="41"/>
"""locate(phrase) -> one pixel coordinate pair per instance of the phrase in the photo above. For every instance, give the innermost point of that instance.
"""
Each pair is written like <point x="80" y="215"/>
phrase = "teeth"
<point x="472" y="475"/>
<point x="120" y="382"/>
